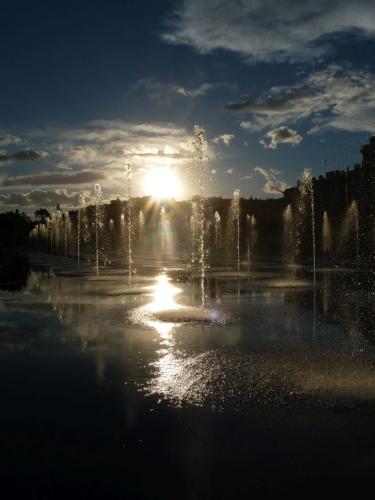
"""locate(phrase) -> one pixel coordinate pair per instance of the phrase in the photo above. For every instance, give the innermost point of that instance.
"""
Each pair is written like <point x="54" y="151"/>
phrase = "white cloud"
<point x="224" y="138"/>
<point x="336" y="97"/>
<point x="265" y="30"/>
<point x="281" y="135"/>
<point x="106" y="144"/>
<point x="97" y="152"/>
<point x="274" y="184"/>
<point x="230" y="171"/>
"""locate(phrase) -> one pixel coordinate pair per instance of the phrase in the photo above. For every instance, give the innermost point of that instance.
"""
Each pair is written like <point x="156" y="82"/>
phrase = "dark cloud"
<point x="276" y="102"/>
<point x="55" y="179"/>
<point x="40" y="198"/>
<point x="6" y="139"/>
<point x="27" y="154"/>
<point x="281" y="135"/>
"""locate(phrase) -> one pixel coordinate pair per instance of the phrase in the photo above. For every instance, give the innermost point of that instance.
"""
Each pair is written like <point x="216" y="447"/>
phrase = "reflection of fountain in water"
<point x="128" y="174"/>
<point x="288" y="246"/>
<point x="98" y="222"/>
<point x="326" y="234"/>
<point x="200" y="166"/>
<point x="236" y="221"/>
<point x="162" y="229"/>
<point x="307" y="194"/>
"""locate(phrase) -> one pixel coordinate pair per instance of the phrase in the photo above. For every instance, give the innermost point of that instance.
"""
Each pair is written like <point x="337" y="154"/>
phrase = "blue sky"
<point x="278" y="86"/>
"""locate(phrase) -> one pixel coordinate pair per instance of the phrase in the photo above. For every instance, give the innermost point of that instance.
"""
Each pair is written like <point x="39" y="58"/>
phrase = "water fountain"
<point x="122" y="232"/>
<point x="288" y="243"/>
<point x="217" y="229"/>
<point x="162" y="229"/>
<point x="200" y="166"/>
<point x="111" y="233"/>
<point x="98" y="221"/>
<point x="350" y="230"/>
<point x="128" y="174"/>
<point x="326" y="234"/>
<point x="236" y="220"/>
<point x="81" y="207"/>
<point x="193" y="229"/>
<point x="307" y="194"/>
<point x="141" y="224"/>
<point x="57" y="220"/>
<point x="66" y="220"/>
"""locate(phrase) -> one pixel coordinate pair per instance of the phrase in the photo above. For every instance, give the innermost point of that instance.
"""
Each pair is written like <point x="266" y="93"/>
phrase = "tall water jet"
<point x="350" y="231"/>
<point x="98" y="204"/>
<point x="57" y="228"/>
<point x="49" y="233"/>
<point x="288" y="243"/>
<point x="81" y="207"/>
<point x="307" y="192"/>
<point x="128" y="174"/>
<point x="66" y="220"/>
<point x="111" y="233"/>
<point x="193" y="229"/>
<point x="162" y="228"/>
<point x="326" y="234"/>
<point x="250" y="237"/>
<point x="200" y="167"/>
<point x="248" y="229"/>
<point x="141" y="225"/>
<point x="236" y="220"/>
<point x="217" y="229"/>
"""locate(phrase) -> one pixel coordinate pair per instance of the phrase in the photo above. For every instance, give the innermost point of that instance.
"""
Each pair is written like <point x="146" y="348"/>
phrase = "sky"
<point x="87" y="86"/>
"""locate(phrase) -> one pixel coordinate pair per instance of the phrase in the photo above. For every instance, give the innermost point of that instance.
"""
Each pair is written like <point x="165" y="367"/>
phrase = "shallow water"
<point x="95" y="367"/>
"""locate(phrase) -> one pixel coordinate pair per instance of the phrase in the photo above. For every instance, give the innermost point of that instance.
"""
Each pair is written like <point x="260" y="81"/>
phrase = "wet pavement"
<point x="114" y="388"/>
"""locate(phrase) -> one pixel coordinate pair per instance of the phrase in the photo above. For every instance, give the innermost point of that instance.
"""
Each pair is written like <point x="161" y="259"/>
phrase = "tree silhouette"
<point x="41" y="214"/>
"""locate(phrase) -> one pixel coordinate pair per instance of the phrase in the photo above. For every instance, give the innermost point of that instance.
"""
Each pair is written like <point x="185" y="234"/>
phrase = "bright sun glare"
<point x="162" y="183"/>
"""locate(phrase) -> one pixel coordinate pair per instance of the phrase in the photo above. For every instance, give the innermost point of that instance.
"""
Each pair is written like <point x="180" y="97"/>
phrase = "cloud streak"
<point x="265" y="30"/>
<point x="336" y="97"/>
<point x="274" y="184"/>
<point x="55" y="178"/>
<point x="41" y="198"/>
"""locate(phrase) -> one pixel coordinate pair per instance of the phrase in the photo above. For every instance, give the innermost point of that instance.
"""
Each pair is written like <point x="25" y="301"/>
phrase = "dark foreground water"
<point x="111" y="389"/>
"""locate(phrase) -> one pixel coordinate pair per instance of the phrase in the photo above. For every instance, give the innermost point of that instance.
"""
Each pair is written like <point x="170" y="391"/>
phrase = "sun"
<point x="162" y="183"/>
